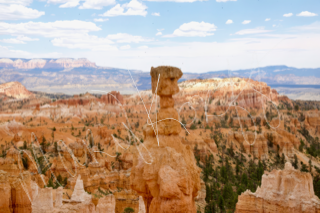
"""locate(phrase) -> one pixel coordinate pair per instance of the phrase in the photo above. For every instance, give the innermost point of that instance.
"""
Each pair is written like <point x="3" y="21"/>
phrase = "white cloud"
<point x="55" y="29"/>
<point x="229" y="21"/>
<point x="143" y="47"/>
<point x="300" y="50"/>
<point x="16" y="12"/>
<point x="69" y="4"/>
<point x="134" y="8"/>
<point x="21" y="2"/>
<point x="100" y="19"/>
<point x="287" y="15"/>
<point x="193" y="29"/>
<point x="159" y="34"/>
<point x="314" y="27"/>
<point x="85" y="42"/>
<point x="224" y="0"/>
<point x="12" y="41"/>
<point x="125" y="47"/>
<point x="274" y="25"/>
<point x="252" y="31"/>
<point x="18" y="40"/>
<point x="179" y="1"/>
<point x="246" y="21"/>
<point x="268" y="19"/>
<point x="126" y="38"/>
<point x="155" y="14"/>
<point x="11" y="53"/>
<point x="307" y="14"/>
<point x="87" y="4"/>
<point x="96" y="4"/>
<point x="65" y="3"/>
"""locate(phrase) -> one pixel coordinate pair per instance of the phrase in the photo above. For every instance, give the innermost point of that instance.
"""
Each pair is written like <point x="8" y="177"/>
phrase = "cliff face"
<point x="16" y="90"/>
<point x="46" y="63"/>
<point x="284" y="191"/>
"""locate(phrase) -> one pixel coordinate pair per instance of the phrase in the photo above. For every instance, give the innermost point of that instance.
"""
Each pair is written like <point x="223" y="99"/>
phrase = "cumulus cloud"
<point x="193" y="29"/>
<point x="133" y="8"/>
<point x="70" y="34"/>
<point x="50" y="29"/>
<point x="307" y="14"/>
<point x="252" y="31"/>
<point x="268" y="19"/>
<point x="179" y="1"/>
<point x="12" y="41"/>
<point x="100" y="19"/>
<point x="65" y="3"/>
<point x="96" y="4"/>
<point x="21" y="2"/>
<point x="125" y="47"/>
<point x="229" y="21"/>
<point x="18" y="40"/>
<point x="155" y="14"/>
<point x="126" y="38"/>
<point x="16" y="12"/>
<point x="159" y="34"/>
<point x="246" y="21"/>
<point x="287" y="15"/>
<point x="87" y="4"/>
<point x="143" y="47"/>
<point x="85" y="42"/>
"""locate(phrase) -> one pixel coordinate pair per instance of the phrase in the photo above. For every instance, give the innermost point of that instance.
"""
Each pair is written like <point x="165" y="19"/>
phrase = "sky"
<point x="194" y="35"/>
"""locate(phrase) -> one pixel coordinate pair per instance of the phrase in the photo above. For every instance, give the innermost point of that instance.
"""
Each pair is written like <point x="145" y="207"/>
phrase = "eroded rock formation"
<point x="78" y="193"/>
<point x="284" y="191"/>
<point x="112" y="98"/>
<point x="168" y="180"/>
<point x="16" y="90"/>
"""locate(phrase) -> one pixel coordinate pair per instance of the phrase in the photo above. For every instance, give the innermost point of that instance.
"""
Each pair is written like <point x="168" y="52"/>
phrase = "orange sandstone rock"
<point x="5" y="192"/>
<point x="166" y="176"/>
<point x="284" y="191"/>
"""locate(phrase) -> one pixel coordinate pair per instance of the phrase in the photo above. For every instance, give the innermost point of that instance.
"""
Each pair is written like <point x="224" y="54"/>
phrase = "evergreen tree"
<point x="223" y="174"/>
<point x="317" y="188"/>
<point x="241" y="189"/>
<point x="304" y="168"/>
<point x="295" y="163"/>
<point x="210" y="207"/>
<point x="221" y="204"/>
<point x="310" y="166"/>
<point x="128" y="210"/>
<point x="244" y="179"/>
<point x="228" y="196"/>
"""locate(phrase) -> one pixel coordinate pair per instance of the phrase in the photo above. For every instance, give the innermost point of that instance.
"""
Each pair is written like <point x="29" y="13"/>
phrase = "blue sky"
<point x="197" y="36"/>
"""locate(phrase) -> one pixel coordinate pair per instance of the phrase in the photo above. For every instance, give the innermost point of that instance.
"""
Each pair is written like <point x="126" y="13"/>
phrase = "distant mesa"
<point x="46" y="63"/>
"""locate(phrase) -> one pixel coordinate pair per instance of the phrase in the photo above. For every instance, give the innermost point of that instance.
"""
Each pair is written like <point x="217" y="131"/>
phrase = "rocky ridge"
<point x="45" y="63"/>
<point x="16" y="90"/>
